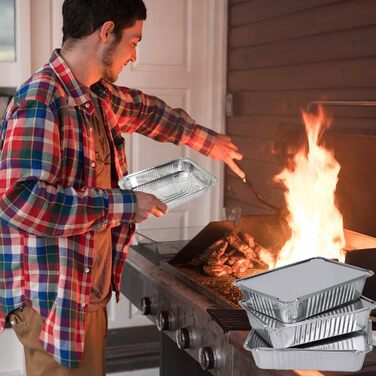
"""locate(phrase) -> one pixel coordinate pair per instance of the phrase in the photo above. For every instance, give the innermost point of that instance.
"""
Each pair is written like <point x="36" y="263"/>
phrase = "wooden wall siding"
<point x="334" y="17"/>
<point x="281" y="56"/>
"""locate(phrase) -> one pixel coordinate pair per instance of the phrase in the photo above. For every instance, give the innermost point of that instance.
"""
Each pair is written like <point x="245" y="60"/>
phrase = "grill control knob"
<point x="163" y="321"/>
<point x="145" y="306"/>
<point x="183" y="338"/>
<point x="206" y="358"/>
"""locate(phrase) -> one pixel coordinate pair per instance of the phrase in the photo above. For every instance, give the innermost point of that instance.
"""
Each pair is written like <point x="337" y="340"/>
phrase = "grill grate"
<point x="230" y="319"/>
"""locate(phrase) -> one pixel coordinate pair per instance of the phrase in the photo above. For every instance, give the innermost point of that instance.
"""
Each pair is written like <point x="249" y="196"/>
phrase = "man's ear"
<point x="105" y="31"/>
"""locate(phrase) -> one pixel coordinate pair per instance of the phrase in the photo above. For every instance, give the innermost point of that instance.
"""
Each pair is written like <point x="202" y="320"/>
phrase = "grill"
<point x="200" y="314"/>
<point x="271" y="232"/>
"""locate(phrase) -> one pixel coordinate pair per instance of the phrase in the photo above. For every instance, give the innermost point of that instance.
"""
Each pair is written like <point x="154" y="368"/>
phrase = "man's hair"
<point x="82" y="17"/>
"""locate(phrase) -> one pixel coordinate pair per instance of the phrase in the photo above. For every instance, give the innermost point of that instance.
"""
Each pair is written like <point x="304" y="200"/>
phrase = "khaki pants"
<point x="27" y="324"/>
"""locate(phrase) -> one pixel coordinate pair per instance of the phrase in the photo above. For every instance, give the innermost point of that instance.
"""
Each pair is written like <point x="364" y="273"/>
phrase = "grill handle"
<point x="341" y="103"/>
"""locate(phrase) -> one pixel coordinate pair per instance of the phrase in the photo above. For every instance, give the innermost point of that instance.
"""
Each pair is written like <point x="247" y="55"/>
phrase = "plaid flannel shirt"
<point x="49" y="203"/>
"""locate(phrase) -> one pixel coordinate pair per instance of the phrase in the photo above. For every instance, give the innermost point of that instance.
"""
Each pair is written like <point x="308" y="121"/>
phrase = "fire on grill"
<point x="313" y="226"/>
<point x="313" y="217"/>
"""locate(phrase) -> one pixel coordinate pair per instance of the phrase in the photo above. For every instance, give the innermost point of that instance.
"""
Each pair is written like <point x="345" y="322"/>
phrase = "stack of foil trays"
<point x="309" y="315"/>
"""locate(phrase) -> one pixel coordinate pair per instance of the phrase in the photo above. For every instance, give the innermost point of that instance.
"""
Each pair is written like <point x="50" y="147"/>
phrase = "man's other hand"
<point x="224" y="150"/>
<point x="147" y="205"/>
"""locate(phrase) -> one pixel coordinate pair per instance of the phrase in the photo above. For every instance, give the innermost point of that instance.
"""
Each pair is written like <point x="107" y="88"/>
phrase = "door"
<point x="181" y="59"/>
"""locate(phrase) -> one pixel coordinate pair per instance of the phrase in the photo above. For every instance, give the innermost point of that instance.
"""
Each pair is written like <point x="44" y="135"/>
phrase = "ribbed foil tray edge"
<point x="309" y="359"/>
<point x="334" y="323"/>
<point x="306" y="305"/>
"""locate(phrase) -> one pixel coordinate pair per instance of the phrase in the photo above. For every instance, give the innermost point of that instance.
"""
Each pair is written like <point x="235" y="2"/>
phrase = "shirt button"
<point x="83" y="305"/>
<point x="92" y="164"/>
<point x="87" y="270"/>
<point x="87" y="105"/>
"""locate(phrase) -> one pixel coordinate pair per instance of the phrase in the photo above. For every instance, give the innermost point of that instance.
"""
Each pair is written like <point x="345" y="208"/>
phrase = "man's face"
<point x="118" y="54"/>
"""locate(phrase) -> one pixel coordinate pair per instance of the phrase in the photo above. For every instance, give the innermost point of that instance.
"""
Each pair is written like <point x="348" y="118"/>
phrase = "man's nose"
<point x="134" y="56"/>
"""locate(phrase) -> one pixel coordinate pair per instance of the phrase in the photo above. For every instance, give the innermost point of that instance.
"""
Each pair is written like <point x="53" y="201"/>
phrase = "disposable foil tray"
<point x="345" y="353"/>
<point x="350" y="318"/>
<point x="174" y="183"/>
<point x="303" y="289"/>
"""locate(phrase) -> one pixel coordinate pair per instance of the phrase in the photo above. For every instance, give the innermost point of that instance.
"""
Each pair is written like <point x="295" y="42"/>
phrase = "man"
<point x="65" y="226"/>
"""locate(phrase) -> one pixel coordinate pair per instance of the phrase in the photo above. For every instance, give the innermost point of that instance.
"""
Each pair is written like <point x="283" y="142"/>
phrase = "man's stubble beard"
<point x="107" y="62"/>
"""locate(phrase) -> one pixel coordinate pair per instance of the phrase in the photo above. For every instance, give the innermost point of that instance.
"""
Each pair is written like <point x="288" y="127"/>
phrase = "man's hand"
<point x="148" y="204"/>
<point x="224" y="150"/>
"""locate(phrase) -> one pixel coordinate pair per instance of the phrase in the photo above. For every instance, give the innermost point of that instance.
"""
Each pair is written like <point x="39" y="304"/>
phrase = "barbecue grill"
<point x="199" y="313"/>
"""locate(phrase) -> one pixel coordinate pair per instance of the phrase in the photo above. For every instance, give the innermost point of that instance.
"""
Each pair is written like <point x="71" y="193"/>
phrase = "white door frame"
<point x="217" y="66"/>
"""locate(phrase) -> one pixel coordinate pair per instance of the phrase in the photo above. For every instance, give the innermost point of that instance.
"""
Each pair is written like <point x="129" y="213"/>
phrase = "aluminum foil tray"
<point x="303" y="289"/>
<point x="346" y="319"/>
<point x="174" y="183"/>
<point x="345" y="353"/>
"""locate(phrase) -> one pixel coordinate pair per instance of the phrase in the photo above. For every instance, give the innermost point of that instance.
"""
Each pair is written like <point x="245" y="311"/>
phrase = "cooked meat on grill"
<point x="217" y="271"/>
<point x="236" y="254"/>
<point x="247" y="239"/>
<point x="217" y="255"/>
<point x="233" y="257"/>
<point x="219" y="247"/>
<point x="238" y="244"/>
<point x="215" y="261"/>
<point x="241" y="265"/>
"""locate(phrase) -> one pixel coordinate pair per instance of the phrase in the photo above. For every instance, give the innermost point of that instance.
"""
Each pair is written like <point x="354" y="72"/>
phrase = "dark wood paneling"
<point x="329" y="75"/>
<point x="357" y="180"/>
<point x="254" y="126"/>
<point x="256" y="10"/>
<point x="290" y="103"/>
<point x="339" y="16"/>
<point x="283" y="55"/>
<point x="271" y="192"/>
<point x="348" y="44"/>
<point x="232" y="2"/>
<point x="261" y="174"/>
<point x="247" y="208"/>
<point x="260" y="149"/>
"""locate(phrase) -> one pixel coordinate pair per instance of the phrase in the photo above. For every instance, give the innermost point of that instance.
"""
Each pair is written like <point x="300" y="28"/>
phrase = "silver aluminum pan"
<point x="303" y="289"/>
<point x="345" y="353"/>
<point x="174" y="183"/>
<point x="350" y="318"/>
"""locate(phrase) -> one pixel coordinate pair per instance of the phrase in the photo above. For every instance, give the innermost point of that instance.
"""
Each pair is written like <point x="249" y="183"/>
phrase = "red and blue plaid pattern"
<point x="49" y="203"/>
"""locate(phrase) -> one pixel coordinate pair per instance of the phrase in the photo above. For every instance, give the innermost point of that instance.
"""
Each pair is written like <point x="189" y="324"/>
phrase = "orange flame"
<point x="315" y="221"/>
